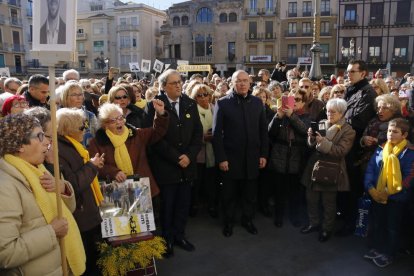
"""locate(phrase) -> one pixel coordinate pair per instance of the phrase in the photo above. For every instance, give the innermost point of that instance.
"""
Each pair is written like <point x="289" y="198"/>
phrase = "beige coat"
<point x="335" y="146"/>
<point x="28" y="245"/>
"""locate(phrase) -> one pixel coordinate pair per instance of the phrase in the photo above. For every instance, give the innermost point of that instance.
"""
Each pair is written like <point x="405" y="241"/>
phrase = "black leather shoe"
<point x="185" y="244"/>
<point x="324" y="236"/>
<point x="213" y="212"/>
<point x="228" y="230"/>
<point x="249" y="227"/>
<point x="265" y="211"/>
<point x="169" y="250"/>
<point x="309" y="229"/>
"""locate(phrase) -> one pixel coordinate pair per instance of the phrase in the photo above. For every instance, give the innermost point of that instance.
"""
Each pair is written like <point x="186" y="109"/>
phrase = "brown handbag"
<point x="326" y="173"/>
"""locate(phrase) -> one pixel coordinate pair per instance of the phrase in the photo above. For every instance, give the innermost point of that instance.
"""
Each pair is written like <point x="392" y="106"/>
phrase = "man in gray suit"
<point x="53" y="31"/>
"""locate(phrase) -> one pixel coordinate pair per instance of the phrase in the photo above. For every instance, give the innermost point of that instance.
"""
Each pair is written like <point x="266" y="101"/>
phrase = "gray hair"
<point x="11" y="80"/>
<point x="391" y="101"/>
<point x="163" y="78"/>
<point x="338" y="105"/>
<point x="105" y="110"/>
<point x="40" y="113"/>
<point x="273" y="85"/>
<point x="69" y="72"/>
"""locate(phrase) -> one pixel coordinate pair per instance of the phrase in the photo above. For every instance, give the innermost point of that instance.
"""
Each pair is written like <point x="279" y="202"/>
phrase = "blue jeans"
<point x="387" y="220"/>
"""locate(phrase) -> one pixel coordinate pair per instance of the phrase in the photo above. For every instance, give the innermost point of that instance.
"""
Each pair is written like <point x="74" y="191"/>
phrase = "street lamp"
<point x="350" y="52"/>
<point x="316" y="49"/>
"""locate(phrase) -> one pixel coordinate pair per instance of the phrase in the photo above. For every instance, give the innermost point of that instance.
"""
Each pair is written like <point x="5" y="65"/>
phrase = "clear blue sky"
<point x="158" y="4"/>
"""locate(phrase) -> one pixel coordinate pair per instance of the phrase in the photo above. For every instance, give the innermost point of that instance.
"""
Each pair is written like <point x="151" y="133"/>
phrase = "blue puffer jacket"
<point x="406" y="158"/>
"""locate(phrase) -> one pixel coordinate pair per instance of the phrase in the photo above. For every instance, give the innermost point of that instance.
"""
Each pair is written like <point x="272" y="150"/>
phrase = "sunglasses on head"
<point x="121" y="97"/>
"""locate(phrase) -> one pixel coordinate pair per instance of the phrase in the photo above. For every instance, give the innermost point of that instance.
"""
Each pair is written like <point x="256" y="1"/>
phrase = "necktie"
<point x="174" y="108"/>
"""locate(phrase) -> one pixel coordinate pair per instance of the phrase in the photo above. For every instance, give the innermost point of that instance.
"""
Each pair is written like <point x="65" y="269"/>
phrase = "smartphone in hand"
<point x="288" y="102"/>
<point x="314" y="127"/>
<point x="114" y="70"/>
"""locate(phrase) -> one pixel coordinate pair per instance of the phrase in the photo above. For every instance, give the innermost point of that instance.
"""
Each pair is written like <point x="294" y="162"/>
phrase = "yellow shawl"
<point x="96" y="188"/>
<point x="390" y="176"/>
<point x="122" y="158"/>
<point x="46" y="201"/>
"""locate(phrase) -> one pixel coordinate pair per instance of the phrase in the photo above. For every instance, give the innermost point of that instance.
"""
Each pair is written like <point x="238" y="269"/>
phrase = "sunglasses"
<point x="121" y="97"/>
<point x="204" y="95"/>
<point x="304" y="87"/>
<point x="298" y="100"/>
<point x="339" y="92"/>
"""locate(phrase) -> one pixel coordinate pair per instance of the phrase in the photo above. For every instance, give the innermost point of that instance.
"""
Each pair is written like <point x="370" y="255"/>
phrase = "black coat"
<point x="240" y="134"/>
<point x="360" y="98"/>
<point x="136" y="116"/>
<point x="184" y="136"/>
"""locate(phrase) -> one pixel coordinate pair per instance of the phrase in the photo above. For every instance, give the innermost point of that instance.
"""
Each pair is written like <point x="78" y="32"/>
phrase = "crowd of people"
<point x="279" y="142"/>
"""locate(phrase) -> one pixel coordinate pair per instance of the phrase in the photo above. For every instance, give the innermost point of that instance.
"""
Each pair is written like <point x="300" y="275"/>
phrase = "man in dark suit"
<point x="241" y="148"/>
<point x="173" y="159"/>
<point x="53" y="31"/>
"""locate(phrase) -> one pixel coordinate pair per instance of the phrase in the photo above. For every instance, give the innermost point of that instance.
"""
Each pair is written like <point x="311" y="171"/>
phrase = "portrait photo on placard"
<point x="158" y="66"/>
<point x="134" y="67"/>
<point x="54" y="25"/>
<point x="145" y="65"/>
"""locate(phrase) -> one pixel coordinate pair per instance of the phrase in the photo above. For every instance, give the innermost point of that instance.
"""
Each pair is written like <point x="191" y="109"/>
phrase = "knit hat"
<point x="7" y="105"/>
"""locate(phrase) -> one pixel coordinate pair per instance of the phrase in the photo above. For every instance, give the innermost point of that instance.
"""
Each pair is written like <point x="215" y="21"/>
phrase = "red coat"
<point x="136" y="145"/>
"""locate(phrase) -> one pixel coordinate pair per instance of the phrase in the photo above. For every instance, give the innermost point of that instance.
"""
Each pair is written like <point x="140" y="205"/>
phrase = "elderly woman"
<point x="338" y="91"/>
<point x="29" y="225"/>
<point x="287" y="133"/>
<point x="332" y="147"/>
<point x="264" y="95"/>
<point x="206" y="170"/>
<point x="73" y="97"/>
<point x="379" y="86"/>
<point x="124" y="146"/>
<point x="14" y="104"/>
<point x="325" y="94"/>
<point x="375" y="134"/>
<point x="81" y="171"/>
<point x="119" y="95"/>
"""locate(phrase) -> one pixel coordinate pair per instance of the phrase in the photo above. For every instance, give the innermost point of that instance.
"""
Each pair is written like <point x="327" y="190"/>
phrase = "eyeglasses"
<point x="86" y="86"/>
<point x="204" y="95"/>
<point x="339" y="91"/>
<point x="21" y="104"/>
<point x="383" y="107"/>
<point x="76" y="95"/>
<point x="175" y="83"/>
<point x="48" y="137"/>
<point x="352" y="71"/>
<point x="120" y="118"/>
<point x="121" y="97"/>
<point x="304" y="87"/>
<point x="39" y="135"/>
<point x="298" y="100"/>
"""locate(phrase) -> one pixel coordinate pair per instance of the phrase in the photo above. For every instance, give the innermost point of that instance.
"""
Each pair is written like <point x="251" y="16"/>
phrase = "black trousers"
<point x="205" y="187"/>
<point x="233" y="189"/>
<point x="175" y="205"/>
<point x="90" y="239"/>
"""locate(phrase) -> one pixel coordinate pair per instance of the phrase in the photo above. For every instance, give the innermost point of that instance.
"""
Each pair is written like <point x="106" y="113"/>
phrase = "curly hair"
<point x="15" y="131"/>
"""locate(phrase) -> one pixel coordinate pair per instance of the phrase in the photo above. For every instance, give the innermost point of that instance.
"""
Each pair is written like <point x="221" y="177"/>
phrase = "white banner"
<point x="260" y="58"/>
<point x="304" y="60"/>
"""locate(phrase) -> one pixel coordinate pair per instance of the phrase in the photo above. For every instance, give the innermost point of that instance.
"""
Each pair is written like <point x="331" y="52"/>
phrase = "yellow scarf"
<point x="46" y="201"/>
<point x="96" y="188"/>
<point x="122" y="158"/>
<point x="390" y="176"/>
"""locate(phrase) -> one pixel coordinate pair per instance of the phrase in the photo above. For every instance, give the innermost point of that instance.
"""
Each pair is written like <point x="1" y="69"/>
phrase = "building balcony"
<point x="202" y="60"/>
<point x="400" y="60"/>
<point x="251" y="11"/>
<point x="15" y="3"/>
<point x="127" y="27"/>
<point x="291" y="34"/>
<point x="307" y="33"/>
<point x="374" y="60"/>
<point x="326" y="33"/>
<point x="18" y="48"/>
<point x="307" y="13"/>
<point x="403" y="20"/>
<point x="29" y="12"/>
<point x="4" y="46"/>
<point x="82" y="53"/>
<point x="125" y="46"/>
<point x="326" y="12"/>
<point x="376" y="22"/>
<point x="165" y="29"/>
<point x="2" y="19"/>
<point x="353" y="22"/>
<point x="291" y="14"/>
<point x="158" y="51"/>
<point x="259" y="59"/>
<point x="81" y="36"/>
<point x="268" y="36"/>
<point x="14" y="21"/>
<point x="157" y="33"/>
<point x="269" y="11"/>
